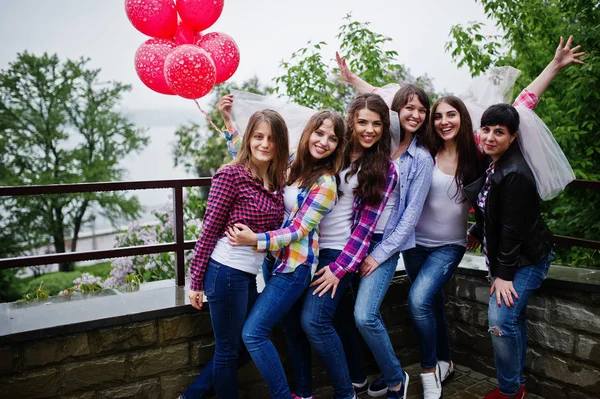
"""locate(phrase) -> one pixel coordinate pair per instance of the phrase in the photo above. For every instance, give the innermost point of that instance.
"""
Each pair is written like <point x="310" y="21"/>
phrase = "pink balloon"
<point x="185" y="34"/>
<point x="189" y="71"/>
<point x="224" y="52"/>
<point x="157" y="18"/>
<point x="150" y="63"/>
<point x="199" y="14"/>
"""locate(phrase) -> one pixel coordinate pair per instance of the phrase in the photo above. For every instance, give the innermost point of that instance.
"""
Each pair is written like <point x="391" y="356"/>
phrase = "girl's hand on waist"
<point x="240" y="234"/>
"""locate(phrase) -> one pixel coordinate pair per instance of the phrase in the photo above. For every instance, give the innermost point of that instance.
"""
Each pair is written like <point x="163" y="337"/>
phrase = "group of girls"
<point x="327" y="222"/>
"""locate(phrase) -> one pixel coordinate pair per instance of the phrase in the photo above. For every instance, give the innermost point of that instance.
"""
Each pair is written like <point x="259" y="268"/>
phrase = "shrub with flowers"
<point x="157" y="266"/>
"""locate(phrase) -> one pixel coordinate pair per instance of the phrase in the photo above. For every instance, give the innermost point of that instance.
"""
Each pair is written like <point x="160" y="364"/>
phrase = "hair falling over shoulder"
<point x="373" y="165"/>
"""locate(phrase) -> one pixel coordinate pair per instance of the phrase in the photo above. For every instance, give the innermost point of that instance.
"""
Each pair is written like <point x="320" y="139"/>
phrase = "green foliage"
<point x="58" y="125"/>
<point x="308" y="80"/>
<point x="571" y="105"/>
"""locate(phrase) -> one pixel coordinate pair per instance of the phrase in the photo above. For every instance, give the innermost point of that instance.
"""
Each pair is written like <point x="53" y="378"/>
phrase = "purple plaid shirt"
<point x="363" y="225"/>
<point x="234" y="197"/>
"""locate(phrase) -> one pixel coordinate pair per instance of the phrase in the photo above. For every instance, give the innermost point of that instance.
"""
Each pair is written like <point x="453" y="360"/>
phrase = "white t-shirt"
<point x="243" y="258"/>
<point x="290" y="198"/>
<point x="336" y="226"/>
<point x="443" y="220"/>
<point x="389" y="206"/>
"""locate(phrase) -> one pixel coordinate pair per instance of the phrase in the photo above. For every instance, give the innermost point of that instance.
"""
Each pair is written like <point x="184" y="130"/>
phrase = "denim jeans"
<point x="429" y="269"/>
<point x="508" y="326"/>
<point x="274" y="304"/>
<point x="346" y="328"/>
<point x="231" y="294"/>
<point x="371" y="292"/>
<point x="318" y="314"/>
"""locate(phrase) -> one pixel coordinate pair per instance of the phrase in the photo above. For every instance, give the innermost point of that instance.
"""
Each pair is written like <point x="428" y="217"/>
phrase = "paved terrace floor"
<point x="464" y="384"/>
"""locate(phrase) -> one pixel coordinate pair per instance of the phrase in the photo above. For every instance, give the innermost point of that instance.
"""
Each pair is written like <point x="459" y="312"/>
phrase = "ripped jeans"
<point x="508" y="327"/>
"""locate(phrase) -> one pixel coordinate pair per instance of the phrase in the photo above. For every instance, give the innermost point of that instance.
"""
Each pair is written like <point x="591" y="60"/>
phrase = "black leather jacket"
<point x="516" y="234"/>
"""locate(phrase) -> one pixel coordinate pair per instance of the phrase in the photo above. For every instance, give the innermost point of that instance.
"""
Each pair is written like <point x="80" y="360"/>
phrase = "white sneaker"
<point x="432" y="385"/>
<point x="446" y="369"/>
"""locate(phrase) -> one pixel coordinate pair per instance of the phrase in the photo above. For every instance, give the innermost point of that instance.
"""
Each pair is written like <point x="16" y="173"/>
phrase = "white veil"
<point x="544" y="156"/>
<point x="296" y="116"/>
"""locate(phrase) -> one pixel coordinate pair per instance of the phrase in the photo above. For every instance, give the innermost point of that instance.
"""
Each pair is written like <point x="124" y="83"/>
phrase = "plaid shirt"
<point x="363" y="225"/>
<point x="234" y="197"/>
<point x="297" y="241"/>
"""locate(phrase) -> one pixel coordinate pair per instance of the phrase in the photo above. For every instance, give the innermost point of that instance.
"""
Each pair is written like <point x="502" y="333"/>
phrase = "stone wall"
<point x="563" y="359"/>
<point x="156" y="358"/>
<point x="159" y="356"/>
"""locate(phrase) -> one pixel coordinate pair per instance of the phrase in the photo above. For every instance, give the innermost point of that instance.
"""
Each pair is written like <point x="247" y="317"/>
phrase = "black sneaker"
<point x="402" y="393"/>
<point x="360" y="388"/>
<point x="377" y="388"/>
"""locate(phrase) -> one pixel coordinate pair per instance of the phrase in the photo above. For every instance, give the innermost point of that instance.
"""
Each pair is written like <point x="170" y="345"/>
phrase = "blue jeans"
<point x="274" y="304"/>
<point x="508" y="326"/>
<point x="231" y="294"/>
<point x="429" y="269"/>
<point x="318" y="314"/>
<point x="371" y="292"/>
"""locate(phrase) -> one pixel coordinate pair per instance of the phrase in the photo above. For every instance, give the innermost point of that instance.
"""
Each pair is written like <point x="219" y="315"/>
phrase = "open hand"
<point x="504" y="291"/>
<point x="345" y="73"/>
<point x="368" y="266"/>
<point x="566" y="55"/>
<point x="240" y="234"/>
<point x="327" y="281"/>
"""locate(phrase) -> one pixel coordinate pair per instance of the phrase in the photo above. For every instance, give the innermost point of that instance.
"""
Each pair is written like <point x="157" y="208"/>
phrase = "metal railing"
<point x="180" y="245"/>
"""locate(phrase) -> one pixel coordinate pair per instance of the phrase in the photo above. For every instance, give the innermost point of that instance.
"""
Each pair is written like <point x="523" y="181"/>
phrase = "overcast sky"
<point x="267" y="31"/>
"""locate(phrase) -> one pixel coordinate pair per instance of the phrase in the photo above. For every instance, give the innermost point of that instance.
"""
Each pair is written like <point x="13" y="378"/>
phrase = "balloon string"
<point x="207" y="117"/>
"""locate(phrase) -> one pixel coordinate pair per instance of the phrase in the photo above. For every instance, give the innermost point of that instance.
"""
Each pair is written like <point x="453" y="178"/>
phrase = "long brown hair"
<point x="402" y="97"/>
<point x="279" y="133"/>
<point x="306" y="169"/>
<point x="373" y="165"/>
<point x="469" y="157"/>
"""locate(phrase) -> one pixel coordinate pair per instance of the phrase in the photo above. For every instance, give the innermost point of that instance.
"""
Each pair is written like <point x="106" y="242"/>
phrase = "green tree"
<point x="58" y="124"/>
<point x="570" y="106"/>
<point x="309" y="80"/>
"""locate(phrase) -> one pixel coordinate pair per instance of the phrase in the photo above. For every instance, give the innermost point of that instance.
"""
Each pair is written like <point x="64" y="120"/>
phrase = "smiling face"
<point x="446" y="120"/>
<point x="261" y="144"/>
<point x="368" y="128"/>
<point x="323" y="141"/>
<point x="412" y="115"/>
<point x="495" y="140"/>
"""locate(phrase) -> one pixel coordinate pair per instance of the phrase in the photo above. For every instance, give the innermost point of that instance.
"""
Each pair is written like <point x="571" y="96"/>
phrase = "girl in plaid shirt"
<point x="310" y="194"/>
<point x="247" y="190"/>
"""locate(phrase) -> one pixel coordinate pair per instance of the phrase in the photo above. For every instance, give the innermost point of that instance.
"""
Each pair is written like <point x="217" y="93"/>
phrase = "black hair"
<point x="501" y="114"/>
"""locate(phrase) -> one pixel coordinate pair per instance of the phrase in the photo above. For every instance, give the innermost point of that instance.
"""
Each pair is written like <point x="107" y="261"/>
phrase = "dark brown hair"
<point x="305" y="169"/>
<point x="374" y="163"/>
<point x="402" y="97"/>
<point x="279" y="133"/>
<point x="469" y="157"/>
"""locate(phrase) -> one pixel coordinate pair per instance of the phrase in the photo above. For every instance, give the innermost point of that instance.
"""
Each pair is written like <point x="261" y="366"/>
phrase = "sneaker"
<point x="377" y="388"/>
<point x="522" y="394"/>
<point x="402" y="393"/>
<point x="432" y="384"/>
<point x="360" y="388"/>
<point x="446" y="369"/>
<point x="294" y="396"/>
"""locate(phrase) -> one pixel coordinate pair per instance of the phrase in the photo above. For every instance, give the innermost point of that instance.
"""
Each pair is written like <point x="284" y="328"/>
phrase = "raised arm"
<point x="232" y="135"/>
<point x="564" y="55"/>
<point x="348" y="76"/>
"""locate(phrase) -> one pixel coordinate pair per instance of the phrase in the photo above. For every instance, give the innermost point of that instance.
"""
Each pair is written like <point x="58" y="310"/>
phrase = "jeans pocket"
<point x="210" y="277"/>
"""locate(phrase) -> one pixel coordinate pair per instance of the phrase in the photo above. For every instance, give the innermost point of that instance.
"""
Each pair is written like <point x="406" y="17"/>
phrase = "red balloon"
<point x="224" y="52"/>
<point x="157" y="18"/>
<point x="150" y="63"/>
<point x="189" y="71"/>
<point x="185" y="34"/>
<point x="199" y="14"/>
